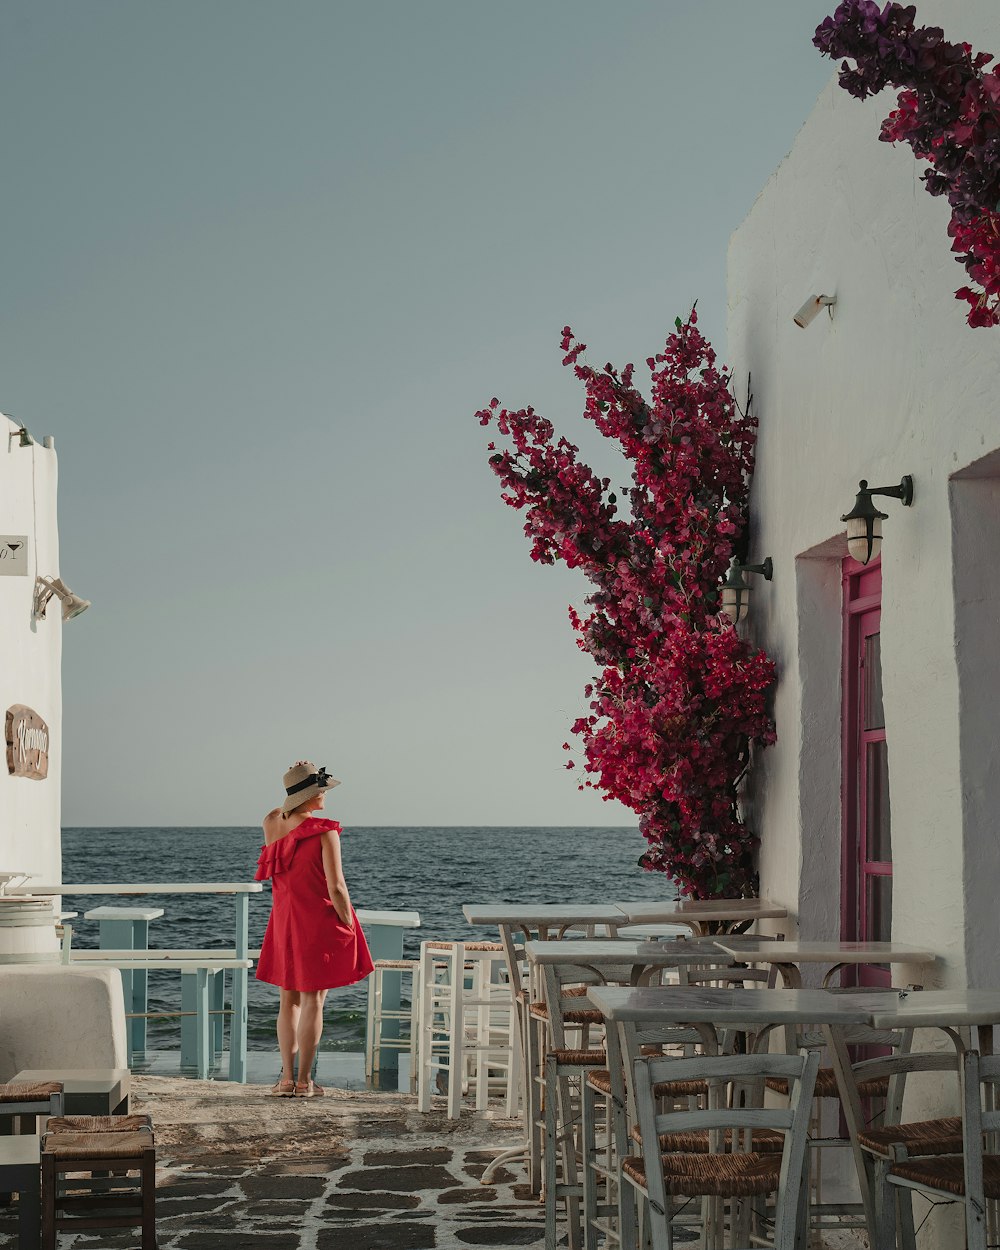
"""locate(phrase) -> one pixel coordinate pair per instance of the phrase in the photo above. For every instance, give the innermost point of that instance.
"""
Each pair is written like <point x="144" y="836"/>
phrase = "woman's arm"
<point x="335" y="884"/>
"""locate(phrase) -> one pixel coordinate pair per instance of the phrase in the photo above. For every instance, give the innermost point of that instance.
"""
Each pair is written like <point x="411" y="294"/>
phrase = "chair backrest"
<point x="559" y="979"/>
<point x="736" y="1092"/>
<point x="900" y="1065"/>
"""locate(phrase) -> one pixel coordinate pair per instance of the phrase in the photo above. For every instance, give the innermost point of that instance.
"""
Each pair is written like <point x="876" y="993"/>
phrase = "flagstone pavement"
<point x="238" y="1169"/>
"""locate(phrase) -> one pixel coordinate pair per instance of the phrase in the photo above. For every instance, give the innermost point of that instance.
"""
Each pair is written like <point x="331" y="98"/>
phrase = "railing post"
<point x="238" y="1029"/>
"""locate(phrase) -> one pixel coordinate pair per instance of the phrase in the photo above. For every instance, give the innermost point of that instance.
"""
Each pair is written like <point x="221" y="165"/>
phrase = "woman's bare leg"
<point x="288" y="1029"/>
<point x="310" y="1030"/>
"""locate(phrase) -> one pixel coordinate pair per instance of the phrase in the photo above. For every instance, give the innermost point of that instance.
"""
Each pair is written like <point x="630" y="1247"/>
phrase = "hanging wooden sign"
<point x="27" y="743"/>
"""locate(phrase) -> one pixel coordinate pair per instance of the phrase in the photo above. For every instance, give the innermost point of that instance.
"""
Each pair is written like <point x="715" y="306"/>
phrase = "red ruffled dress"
<point x="306" y="946"/>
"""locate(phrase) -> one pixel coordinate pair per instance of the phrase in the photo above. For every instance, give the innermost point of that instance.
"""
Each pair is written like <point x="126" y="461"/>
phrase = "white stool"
<point x="377" y="1014"/>
<point x="467" y="1022"/>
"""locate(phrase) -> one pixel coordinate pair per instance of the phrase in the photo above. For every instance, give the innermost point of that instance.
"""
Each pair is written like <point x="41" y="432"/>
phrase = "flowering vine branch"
<point x="949" y="114"/>
<point x="680" y="699"/>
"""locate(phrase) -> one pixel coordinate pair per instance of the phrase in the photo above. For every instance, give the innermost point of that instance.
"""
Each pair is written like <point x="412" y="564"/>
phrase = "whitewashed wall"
<point x="896" y="383"/>
<point x="30" y="654"/>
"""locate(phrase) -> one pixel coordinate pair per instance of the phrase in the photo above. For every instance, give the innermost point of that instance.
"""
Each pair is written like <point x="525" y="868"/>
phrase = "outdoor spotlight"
<point x="735" y="591"/>
<point x="811" y="309"/>
<point x="24" y="439"/>
<point x="864" y="521"/>
<point x="46" y="587"/>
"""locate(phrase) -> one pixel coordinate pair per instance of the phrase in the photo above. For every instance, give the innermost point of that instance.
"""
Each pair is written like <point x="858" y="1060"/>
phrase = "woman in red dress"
<point x="313" y="941"/>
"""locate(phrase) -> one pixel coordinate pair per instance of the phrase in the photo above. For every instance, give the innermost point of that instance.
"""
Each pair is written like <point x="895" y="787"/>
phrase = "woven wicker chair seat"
<point x="719" y="1175"/>
<point x="98" y="1123"/>
<point x="922" y="1137"/>
<point x="491" y="947"/>
<point x="24" y="1091"/>
<point x="765" y="1141"/>
<point x="580" y="1058"/>
<point x="400" y="965"/>
<point x="97" y="1145"/>
<point x="947" y="1173"/>
<point x="826" y="1085"/>
<point x="600" y="1079"/>
<point x="585" y="1015"/>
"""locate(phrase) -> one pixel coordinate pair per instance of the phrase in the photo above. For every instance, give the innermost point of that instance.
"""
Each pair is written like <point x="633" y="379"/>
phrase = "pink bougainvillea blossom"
<point x="681" y="699"/>
<point x="948" y="111"/>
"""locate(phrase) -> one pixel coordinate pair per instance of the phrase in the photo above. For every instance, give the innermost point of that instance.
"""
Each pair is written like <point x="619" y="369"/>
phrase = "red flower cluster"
<point x="949" y="114"/>
<point x="681" y="698"/>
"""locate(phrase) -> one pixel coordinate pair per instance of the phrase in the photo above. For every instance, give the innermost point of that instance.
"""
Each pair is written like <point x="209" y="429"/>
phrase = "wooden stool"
<point x="122" y="1167"/>
<point x="27" y="1100"/>
<point x="378" y="1014"/>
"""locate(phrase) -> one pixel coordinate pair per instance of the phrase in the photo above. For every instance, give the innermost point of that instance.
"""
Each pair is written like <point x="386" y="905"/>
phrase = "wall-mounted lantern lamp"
<point x="864" y="521"/>
<point x="24" y="439"/>
<point x="735" y="591"/>
<point x="812" y="308"/>
<point x="46" y="587"/>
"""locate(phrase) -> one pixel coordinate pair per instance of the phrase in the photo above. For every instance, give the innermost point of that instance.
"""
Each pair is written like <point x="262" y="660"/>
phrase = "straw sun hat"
<point x="303" y="781"/>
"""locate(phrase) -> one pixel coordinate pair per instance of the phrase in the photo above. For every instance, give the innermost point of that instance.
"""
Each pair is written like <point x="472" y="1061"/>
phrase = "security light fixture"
<point x="46" y="587"/>
<point x="811" y="309"/>
<point x="735" y="591"/>
<point x="24" y="439"/>
<point x="864" y="521"/>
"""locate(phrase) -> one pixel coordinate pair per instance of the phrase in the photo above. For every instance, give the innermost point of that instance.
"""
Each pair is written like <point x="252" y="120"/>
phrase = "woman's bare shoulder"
<point x="272" y="825"/>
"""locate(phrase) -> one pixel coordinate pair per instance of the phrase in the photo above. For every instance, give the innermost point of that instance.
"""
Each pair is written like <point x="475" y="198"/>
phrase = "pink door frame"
<point x="862" y="602"/>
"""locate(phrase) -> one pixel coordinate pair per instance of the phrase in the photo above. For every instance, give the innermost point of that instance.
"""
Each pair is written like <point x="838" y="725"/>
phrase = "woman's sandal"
<point x="283" y="1088"/>
<point x="308" y="1089"/>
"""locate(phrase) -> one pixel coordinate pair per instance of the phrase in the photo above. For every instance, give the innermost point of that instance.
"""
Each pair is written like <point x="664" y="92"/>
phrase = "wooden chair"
<point x="613" y="1086"/>
<point x="971" y="1177"/>
<point x="730" y="1169"/>
<point x="570" y="1042"/>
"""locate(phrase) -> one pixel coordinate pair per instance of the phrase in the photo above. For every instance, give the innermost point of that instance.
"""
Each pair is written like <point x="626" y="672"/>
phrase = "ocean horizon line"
<point x="71" y="828"/>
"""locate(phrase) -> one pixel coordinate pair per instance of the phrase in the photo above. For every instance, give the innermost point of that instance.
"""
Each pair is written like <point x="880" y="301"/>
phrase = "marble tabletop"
<point x="698" y="910"/>
<point x="530" y="915"/>
<point x="764" y="950"/>
<point x="617" y="951"/>
<point x="691" y="1005"/>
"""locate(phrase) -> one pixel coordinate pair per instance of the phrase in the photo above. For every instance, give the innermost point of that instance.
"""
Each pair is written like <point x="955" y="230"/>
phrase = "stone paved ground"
<point x="239" y="1170"/>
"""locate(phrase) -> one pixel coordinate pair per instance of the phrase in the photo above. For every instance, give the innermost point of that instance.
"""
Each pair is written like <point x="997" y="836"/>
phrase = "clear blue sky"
<point x="263" y="262"/>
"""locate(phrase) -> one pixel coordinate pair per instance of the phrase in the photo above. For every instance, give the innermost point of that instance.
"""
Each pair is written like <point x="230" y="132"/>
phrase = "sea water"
<point x="430" y="871"/>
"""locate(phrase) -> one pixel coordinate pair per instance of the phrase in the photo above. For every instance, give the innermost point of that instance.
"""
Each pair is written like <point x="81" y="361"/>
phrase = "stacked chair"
<point x="467" y="1041"/>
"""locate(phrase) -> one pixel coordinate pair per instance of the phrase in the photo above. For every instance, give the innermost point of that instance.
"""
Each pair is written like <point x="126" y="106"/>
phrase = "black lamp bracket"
<point x="903" y="492"/>
<point x="766" y="569"/>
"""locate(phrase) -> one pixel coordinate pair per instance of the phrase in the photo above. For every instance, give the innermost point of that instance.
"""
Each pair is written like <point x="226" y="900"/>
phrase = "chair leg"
<point x="415" y="1000"/>
<point x="425" y="1035"/>
<point x="549" y="1154"/>
<point x="533" y="1110"/>
<point x="589" y="1150"/>
<point x="455" y="1038"/>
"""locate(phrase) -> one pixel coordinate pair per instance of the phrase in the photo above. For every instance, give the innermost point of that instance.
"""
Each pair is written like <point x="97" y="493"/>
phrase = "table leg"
<point x="121" y="935"/>
<point x="238" y="1030"/>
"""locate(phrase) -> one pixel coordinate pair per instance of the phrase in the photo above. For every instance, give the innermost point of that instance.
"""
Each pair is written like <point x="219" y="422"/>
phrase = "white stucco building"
<point x="32" y="653"/>
<point x="878" y="815"/>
